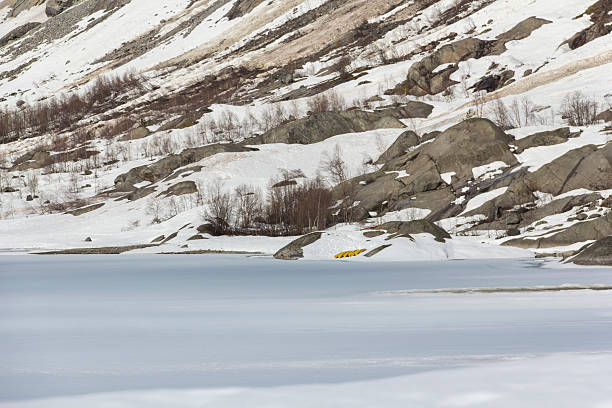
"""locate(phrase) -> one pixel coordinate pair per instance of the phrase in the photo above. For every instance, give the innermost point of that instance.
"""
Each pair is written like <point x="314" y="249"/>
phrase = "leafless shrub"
<point x="326" y="102"/>
<point x="334" y="166"/>
<point x="220" y="209"/>
<point x="248" y="205"/>
<point x="579" y="110"/>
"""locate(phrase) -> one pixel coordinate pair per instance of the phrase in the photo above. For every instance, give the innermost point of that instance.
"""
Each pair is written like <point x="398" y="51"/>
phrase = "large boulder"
<point x="295" y="249"/>
<point x="134" y="134"/>
<point x="320" y="126"/>
<point x="597" y="253"/>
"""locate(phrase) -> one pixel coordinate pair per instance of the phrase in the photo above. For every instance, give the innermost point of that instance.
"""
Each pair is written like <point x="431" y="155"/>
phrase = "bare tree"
<point x="248" y="205"/>
<point x="334" y="166"/>
<point x="579" y="110"/>
<point x="220" y="208"/>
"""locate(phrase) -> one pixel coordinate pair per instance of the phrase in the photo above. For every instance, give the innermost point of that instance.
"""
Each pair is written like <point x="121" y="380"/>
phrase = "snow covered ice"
<point x="309" y="333"/>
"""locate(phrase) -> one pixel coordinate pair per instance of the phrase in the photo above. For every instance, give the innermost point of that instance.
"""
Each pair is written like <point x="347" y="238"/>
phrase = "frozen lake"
<point x="80" y="324"/>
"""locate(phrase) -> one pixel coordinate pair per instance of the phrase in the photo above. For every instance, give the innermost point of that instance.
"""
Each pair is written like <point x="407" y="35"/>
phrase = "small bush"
<point x="579" y="110"/>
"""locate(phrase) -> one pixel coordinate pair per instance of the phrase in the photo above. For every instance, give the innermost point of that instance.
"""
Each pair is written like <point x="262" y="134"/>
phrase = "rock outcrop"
<point x="320" y="126"/>
<point x="295" y="249"/>
<point x="18" y="32"/>
<point x="164" y="167"/>
<point x="55" y="7"/>
<point x="407" y="228"/>
<point x="597" y="253"/>
<point x="414" y="179"/>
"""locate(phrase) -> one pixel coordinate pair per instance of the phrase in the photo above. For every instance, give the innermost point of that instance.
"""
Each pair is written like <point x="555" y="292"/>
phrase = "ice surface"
<point x="88" y="324"/>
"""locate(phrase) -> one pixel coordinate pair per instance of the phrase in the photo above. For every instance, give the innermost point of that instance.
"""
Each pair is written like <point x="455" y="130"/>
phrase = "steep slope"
<point x="466" y="113"/>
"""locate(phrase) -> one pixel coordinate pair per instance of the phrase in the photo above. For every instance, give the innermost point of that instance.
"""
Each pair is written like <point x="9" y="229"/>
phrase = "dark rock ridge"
<point x="18" y="32"/>
<point x="597" y="253"/>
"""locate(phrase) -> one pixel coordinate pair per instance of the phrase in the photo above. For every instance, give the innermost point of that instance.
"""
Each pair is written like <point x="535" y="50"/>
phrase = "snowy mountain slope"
<point x="198" y="72"/>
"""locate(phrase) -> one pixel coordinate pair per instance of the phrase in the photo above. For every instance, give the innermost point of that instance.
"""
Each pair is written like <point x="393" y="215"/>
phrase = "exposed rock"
<point x="85" y="210"/>
<point x="18" y="32"/>
<point x="164" y="167"/>
<point x="422" y="80"/>
<point x="55" y="7"/>
<point x="138" y="133"/>
<point x="22" y="5"/>
<point x="601" y="17"/>
<point x="29" y="197"/>
<point x="606" y="115"/>
<point x="491" y="83"/>
<point x="582" y="231"/>
<point x="242" y="7"/>
<point x="184" y="187"/>
<point x="522" y="30"/>
<point x="409" y="110"/>
<point x="407" y="228"/>
<point x="548" y="138"/>
<point x="320" y="126"/>
<point x="376" y="250"/>
<point x="372" y="234"/>
<point x="88" y="239"/>
<point x="597" y="253"/>
<point x="294" y="250"/>
<point x="285" y="183"/>
<point x="531" y="216"/>
<point x="169" y="237"/>
<point x="586" y="167"/>
<point x="196" y="237"/>
<point x="471" y="143"/>
<point x="401" y="145"/>
<point x="159" y="239"/>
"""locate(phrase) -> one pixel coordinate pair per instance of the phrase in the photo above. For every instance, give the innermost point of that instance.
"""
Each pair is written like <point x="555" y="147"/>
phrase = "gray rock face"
<point x="606" y="115"/>
<point x="411" y="109"/>
<point x="18" y="32"/>
<point x="320" y="126"/>
<point x="587" y="167"/>
<point x="164" y="167"/>
<point x="242" y="7"/>
<point x="471" y="143"/>
<point x="406" y="228"/>
<point x="401" y="145"/>
<point x="294" y="250"/>
<point x="597" y="253"/>
<point x="594" y="229"/>
<point x="22" y="5"/>
<point x="422" y="80"/>
<point x="138" y="133"/>
<point x="184" y="187"/>
<point x="549" y="138"/>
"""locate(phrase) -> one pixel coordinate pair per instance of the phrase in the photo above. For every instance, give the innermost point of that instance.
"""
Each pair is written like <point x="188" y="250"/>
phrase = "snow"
<point x="489" y="170"/>
<point x="155" y="330"/>
<point x="482" y="198"/>
<point x="421" y="247"/>
<point x="447" y="177"/>
<point x="536" y="157"/>
<point x="543" y="380"/>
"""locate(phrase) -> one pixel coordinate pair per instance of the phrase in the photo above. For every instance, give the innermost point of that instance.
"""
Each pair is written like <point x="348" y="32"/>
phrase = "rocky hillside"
<point x="237" y="125"/>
